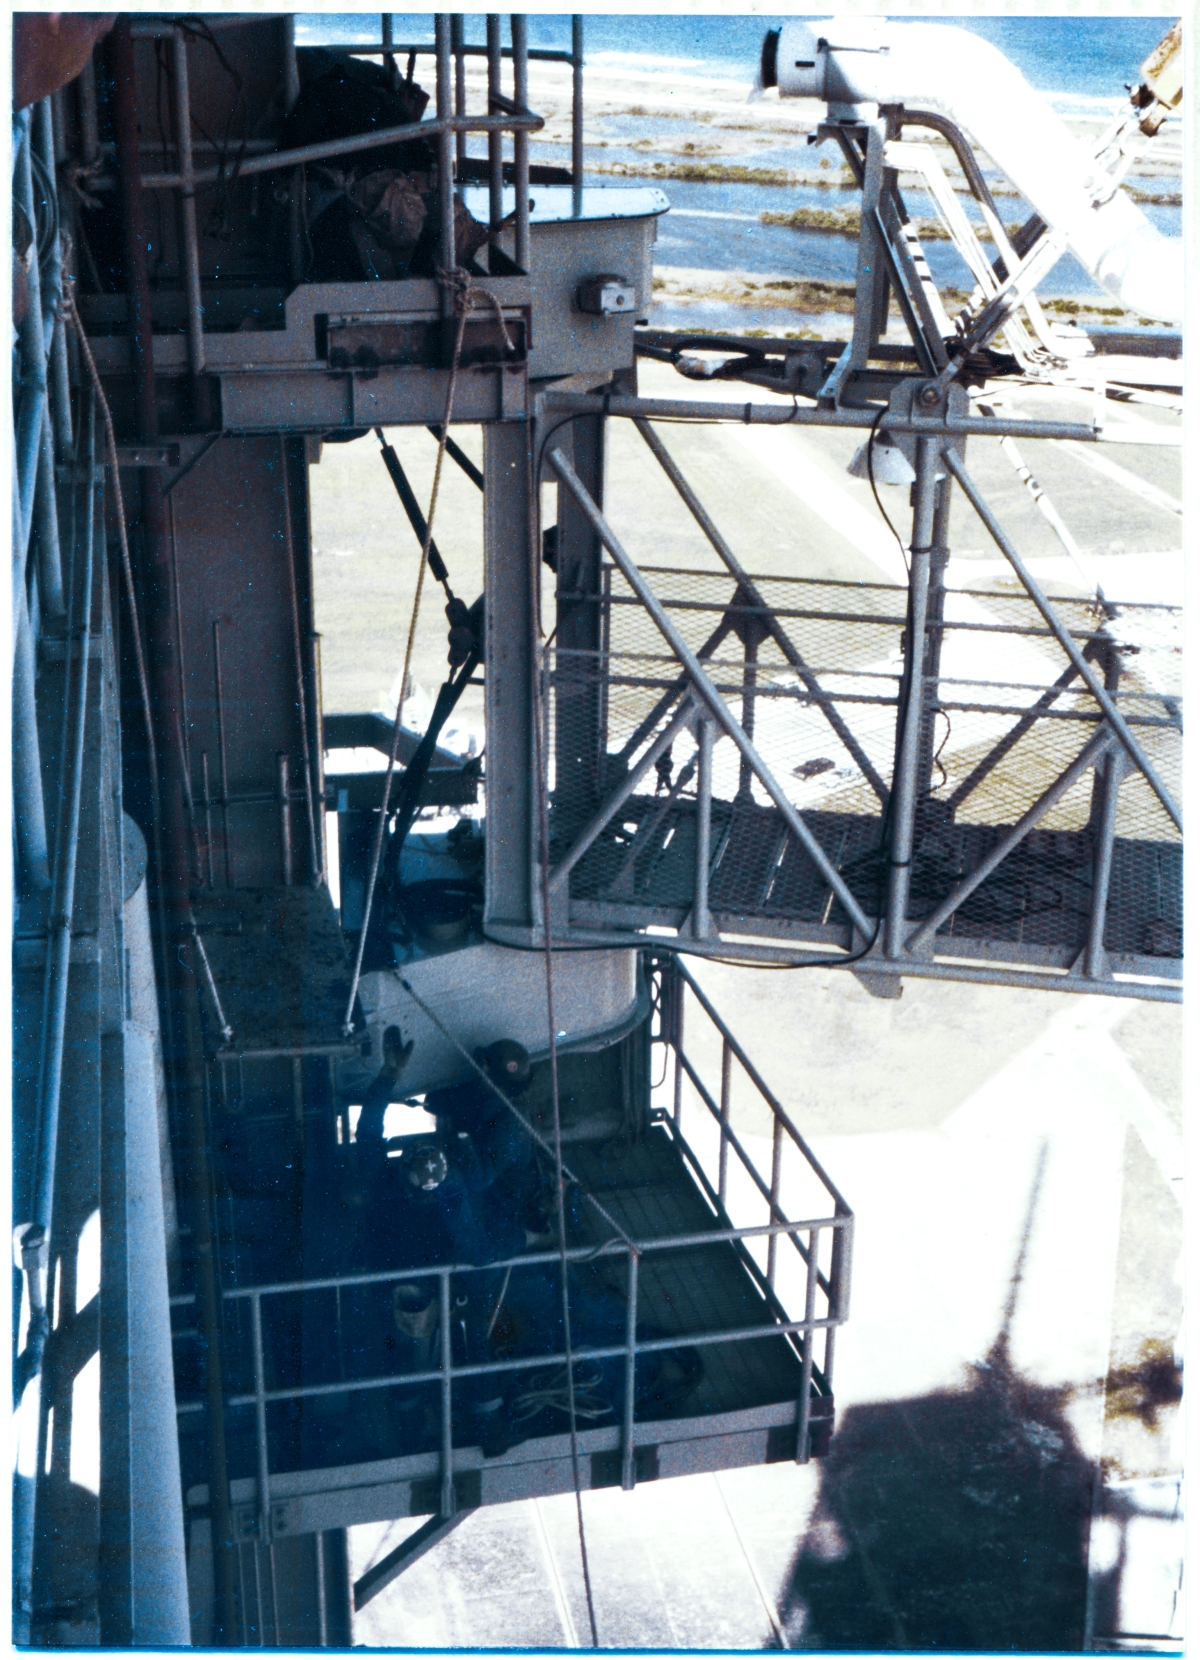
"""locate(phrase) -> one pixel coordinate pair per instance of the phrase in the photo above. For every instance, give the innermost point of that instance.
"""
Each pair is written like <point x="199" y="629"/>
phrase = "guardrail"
<point x="817" y="1285"/>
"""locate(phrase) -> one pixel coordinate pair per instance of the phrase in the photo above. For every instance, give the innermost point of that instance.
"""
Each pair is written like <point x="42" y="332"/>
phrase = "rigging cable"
<point x="464" y="295"/>
<point x="541" y="791"/>
<point x="461" y="305"/>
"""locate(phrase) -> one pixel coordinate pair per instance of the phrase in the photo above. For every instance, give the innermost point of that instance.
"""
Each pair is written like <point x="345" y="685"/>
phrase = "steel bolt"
<point x="928" y="397"/>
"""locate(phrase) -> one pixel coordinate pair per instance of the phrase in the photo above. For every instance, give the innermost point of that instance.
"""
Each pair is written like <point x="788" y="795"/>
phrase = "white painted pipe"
<point x="851" y="62"/>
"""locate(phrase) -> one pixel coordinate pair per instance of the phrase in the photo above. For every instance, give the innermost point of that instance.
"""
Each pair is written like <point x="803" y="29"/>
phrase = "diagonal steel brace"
<point x="1083" y="668"/>
<point x="1087" y="757"/>
<point x="777" y="631"/>
<point x="707" y="693"/>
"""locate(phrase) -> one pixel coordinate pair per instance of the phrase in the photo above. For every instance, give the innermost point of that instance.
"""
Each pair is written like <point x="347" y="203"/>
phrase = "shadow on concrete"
<point x="956" y="1520"/>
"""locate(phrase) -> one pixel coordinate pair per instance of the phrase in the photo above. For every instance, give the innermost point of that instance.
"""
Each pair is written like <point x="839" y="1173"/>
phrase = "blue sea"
<point x="1081" y="60"/>
<point x="1081" y="63"/>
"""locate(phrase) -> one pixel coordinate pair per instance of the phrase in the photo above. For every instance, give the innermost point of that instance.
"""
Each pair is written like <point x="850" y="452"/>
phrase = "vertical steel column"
<point x="54" y="153"/>
<point x="445" y="1446"/>
<point x="266" y="1532"/>
<point x="445" y="154"/>
<point x="702" y="923"/>
<point x="495" y="140"/>
<point x="776" y="1171"/>
<point x="723" y="1156"/>
<point x="872" y="263"/>
<point x="628" y="1477"/>
<point x="37" y="1254"/>
<point x="508" y="677"/>
<point x="45" y="506"/>
<point x="904" y="785"/>
<point x="322" y="1608"/>
<point x="31" y="337"/>
<point x="316" y="869"/>
<point x="678" y="993"/>
<point x="201" y="408"/>
<point x="577" y="115"/>
<point x="207" y="804"/>
<point x="285" y="817"/>
<point x="750" y="643"/>
<point x="45" y="526"/>
<point x="388" y="39"/>
<point x="29" y="808"/>
<point x="935" y="616"/>
<point x="297" y="216"/>
<point x="520" y="52"/>
<point x="804" y="1407"/>
<point x="1113" y="770"/>
<point x="580" y="744"/>
<point x="457" y="42"/>
<point x="171" y="838"/>
<point x="319" y="752"/>
<point x="218" y="687"/>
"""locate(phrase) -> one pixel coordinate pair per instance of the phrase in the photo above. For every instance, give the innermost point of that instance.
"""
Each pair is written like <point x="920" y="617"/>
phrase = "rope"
<point x="541" y="786"/>
<point x="462" y="293"/>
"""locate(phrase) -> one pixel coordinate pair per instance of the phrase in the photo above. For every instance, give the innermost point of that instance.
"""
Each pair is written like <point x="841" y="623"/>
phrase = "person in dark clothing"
<point x="505" y="1148"/>
<point x="464" y="1198"/>
<point x="369" y="1134"/>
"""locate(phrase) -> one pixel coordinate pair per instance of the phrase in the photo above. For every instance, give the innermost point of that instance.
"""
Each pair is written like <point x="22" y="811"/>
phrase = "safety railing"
<point x="508" y="115"/>
<point x="793" y="1169"/>
<point x="836" y="759"/>
<point x="797" y="1293"/>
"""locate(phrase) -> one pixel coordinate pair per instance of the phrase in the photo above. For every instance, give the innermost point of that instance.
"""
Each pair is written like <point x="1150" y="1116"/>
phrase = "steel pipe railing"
<point x="1082" y="667"/>
<point x="577" y="114"/>
<point x="495" y="138"/>
<point x="770" y="618"/>
<point x="707" y="692"/>
<point x="275" y="161"/>
<point x="778" y="415"/>
<point x="520" y="60"/>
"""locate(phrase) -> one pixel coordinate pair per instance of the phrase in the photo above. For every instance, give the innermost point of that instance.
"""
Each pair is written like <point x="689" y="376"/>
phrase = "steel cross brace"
<point x="1082" y="667"/>
<point x="428" y="1535"/>
<point x="707" y="693"/>
<point x="774" y="626"/>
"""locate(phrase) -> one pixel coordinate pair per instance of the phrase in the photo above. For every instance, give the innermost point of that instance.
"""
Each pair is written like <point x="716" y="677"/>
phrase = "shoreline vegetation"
<point x="814" y="297"/>
<point x="720" y="172"/>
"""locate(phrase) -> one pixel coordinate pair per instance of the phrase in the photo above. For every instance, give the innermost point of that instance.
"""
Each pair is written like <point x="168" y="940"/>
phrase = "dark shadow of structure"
<point x="956" y="1520"/>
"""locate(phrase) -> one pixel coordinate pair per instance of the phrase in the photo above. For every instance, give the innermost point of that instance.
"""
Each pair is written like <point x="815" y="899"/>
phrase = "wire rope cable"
<point x="542" y="796"/>
<point x="464" y="293"/>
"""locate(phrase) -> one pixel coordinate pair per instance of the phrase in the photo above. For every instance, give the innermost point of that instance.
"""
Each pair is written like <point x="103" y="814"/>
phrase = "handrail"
<point x="527" y="1259"/>
<point x="276" y="160"/>
<point x="755" y="1078"/>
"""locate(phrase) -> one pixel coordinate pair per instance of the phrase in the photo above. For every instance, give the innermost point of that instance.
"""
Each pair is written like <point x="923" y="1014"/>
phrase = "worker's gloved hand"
<point x="395" y="1051"/>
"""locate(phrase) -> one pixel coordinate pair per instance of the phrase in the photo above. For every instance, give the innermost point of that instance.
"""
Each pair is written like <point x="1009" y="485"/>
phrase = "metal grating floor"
<point x="279" y="963"/>
<point x="650" y="1191"/>
<point x="1038" y="897"/>
<point x="695" y="1289"/>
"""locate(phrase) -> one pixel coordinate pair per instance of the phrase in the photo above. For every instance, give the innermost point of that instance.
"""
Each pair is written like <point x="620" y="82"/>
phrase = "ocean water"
<point x="1081" y="64"/>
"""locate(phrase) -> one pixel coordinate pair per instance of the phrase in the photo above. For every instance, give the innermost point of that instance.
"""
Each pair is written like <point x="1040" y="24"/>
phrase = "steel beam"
<point x="1083" y="668"/>
<point x="509" y="669"/>
<point x="413" y="1548"/>
<point x="708" y="693"/>
<point x="777" y="632"/>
